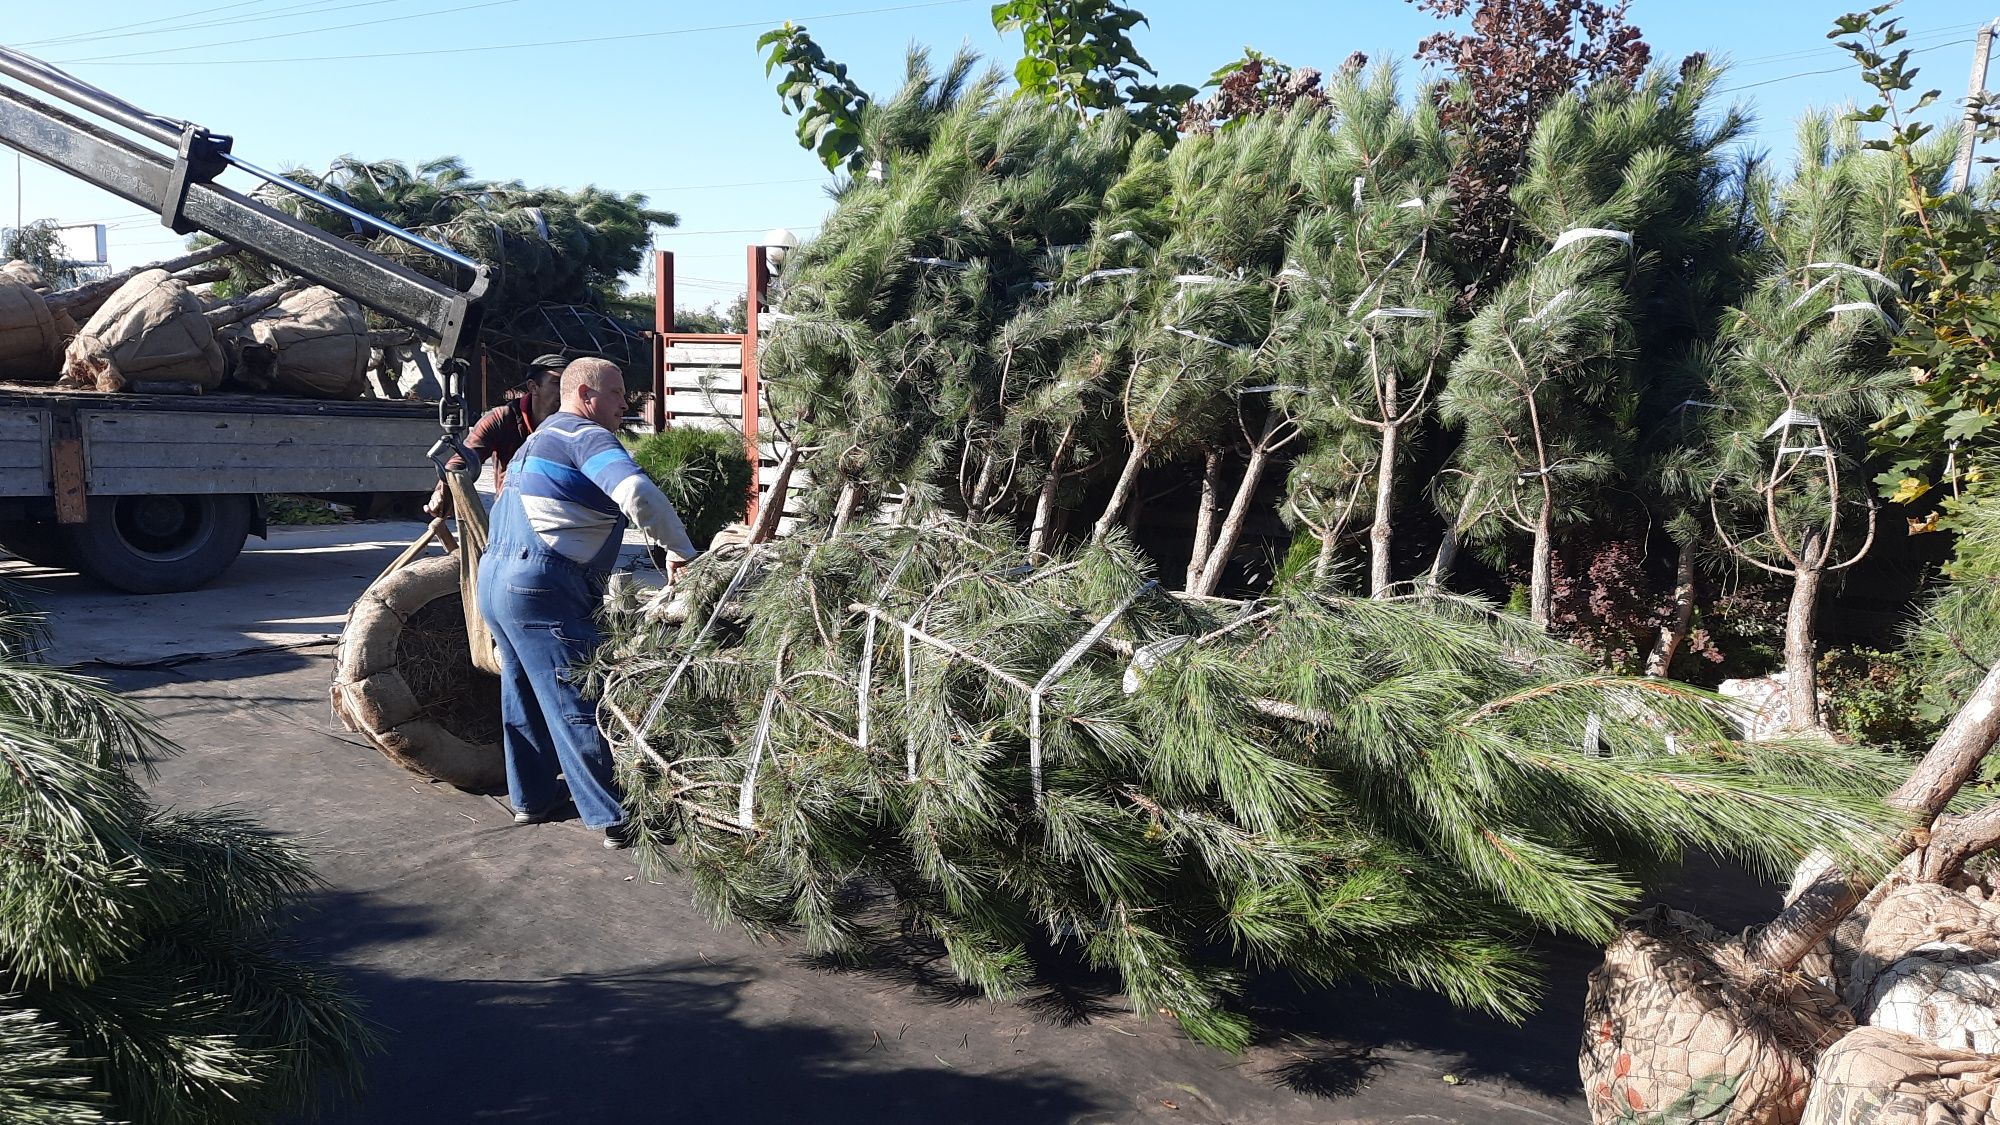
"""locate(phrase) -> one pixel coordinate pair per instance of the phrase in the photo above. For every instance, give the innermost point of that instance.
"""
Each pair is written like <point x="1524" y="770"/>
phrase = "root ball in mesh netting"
<point x="435" y="659"/>
<point x="1182" y="790"/>
<point x="1681" y="1025"/>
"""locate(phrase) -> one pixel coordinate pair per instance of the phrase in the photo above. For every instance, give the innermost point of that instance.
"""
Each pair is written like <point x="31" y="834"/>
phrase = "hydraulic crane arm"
<point x="178" y="184"/>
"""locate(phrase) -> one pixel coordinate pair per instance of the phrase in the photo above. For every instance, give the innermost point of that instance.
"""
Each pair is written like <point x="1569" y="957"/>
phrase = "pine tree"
<point x="1957" y="636"/>
<point x="1705" y="235"/>
<point x="1545" y="387"/>
<point x="1364" y="329"/>
<point x="144" y="975"/>
<point x="1801" y="374"/>
<point x="922" y="729"/>
<point x="547" y="245"/>
<point x="1205" y="318"/>
<point x="883" y="350"/>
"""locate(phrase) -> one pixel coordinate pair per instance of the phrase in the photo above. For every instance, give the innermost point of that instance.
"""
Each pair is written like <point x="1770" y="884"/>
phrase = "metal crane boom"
<point x="178" y="184"/>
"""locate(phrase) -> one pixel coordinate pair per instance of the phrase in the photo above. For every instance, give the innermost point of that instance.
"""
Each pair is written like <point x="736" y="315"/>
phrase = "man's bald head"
<point x="594" y="389"/>
<point x="599" y="373"/>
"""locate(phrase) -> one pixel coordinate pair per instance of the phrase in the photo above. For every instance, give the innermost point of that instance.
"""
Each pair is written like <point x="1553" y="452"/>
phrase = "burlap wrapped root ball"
<point x="153" y="328"/>
<point x="1874" y="1076"/>
<point x="313" y="342"/>
<point x="404" y="678"/>
<point x="31" y="334"/>
<point x="30" y="341"/>
<point x="1679" y="1025"/>
<point x="1924" y="960"/>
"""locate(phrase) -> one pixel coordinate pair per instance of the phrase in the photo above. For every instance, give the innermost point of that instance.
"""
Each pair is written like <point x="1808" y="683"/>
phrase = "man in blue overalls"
<point x="557" y="526"/>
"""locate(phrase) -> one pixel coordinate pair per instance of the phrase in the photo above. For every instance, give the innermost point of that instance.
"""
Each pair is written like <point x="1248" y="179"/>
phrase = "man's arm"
<point x="479" y="440"/>
<point x="612" y="469"/>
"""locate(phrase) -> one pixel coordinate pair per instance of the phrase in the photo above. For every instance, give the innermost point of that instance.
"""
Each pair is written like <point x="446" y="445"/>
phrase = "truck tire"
<point x="42" y="544"/>
<point x="160" y="544"/>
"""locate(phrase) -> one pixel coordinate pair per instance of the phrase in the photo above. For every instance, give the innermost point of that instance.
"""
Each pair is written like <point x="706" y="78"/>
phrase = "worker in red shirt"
<point x="501" y="430"/>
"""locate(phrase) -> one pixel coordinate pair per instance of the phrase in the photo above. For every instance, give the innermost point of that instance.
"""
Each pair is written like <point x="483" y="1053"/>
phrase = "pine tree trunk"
<point x="1121" y="494"/>
<point x="1204" y="522"/>
<point x="1239" y="509"/>
<point x="250" y="304"/>
<point x="85" y="299"/>
<point x="1383" y="530"/>
<point x="1541" y="582"/>
<point x="975" y="504"/>
<point x="843" y="510"/>
<point x="772" y="508"/>
<point x="1952" y="761"/>
<point x="1674" y="632"/>
<point x="1447" y="552"/>
<point x="1323" y="565"/>
<point x="1801" y="646"/>
<point x="1045" y="504"/>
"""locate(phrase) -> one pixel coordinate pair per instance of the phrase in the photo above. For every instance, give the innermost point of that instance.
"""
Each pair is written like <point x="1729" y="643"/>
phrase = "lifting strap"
<point x="470" y="546"/>
<point x="472" y="542"/>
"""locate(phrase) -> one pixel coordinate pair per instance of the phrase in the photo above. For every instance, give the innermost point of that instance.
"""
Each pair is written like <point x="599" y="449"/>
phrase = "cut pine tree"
<point x="1003" y="752"/>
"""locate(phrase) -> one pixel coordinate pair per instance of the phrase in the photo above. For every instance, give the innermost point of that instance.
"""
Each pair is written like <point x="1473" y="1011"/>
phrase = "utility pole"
<point x="1968" y="131"/>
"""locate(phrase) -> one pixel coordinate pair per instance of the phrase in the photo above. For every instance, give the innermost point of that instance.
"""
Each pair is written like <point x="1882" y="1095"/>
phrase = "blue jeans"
<point x="539" y="606"/>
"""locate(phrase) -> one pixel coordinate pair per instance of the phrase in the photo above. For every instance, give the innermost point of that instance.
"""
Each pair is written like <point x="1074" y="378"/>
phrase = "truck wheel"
<point x="160" y="544"/>
<point x="42" y="544"/>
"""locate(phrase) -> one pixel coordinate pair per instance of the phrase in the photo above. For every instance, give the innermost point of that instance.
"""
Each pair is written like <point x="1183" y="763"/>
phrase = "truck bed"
<point x="218" y="443"/>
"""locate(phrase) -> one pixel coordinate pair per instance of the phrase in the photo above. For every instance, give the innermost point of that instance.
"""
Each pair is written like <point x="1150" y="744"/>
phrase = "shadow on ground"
<point x="669" y="1041"/>
<point x="1329" y="1042"/>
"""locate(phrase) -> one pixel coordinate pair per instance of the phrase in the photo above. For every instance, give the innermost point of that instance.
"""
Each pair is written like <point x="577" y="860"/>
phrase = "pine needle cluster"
<point x="928" y="730"/>
<point x="144" y="975"/>
<point x="1956" y="638"/>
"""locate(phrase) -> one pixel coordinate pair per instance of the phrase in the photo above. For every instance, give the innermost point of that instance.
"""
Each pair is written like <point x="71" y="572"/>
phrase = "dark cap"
<point x="548" y="361"/>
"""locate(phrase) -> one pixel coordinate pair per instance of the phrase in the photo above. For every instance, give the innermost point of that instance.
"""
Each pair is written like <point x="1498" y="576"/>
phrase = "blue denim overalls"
<point x="540" y="606"/>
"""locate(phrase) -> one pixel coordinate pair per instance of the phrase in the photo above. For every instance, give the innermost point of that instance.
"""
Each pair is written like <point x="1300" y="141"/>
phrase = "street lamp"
<point x="776" y="243"/>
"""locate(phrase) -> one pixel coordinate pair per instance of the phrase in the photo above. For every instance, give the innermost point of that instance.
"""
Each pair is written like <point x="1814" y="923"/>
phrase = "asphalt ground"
<point x="527" y="975"/>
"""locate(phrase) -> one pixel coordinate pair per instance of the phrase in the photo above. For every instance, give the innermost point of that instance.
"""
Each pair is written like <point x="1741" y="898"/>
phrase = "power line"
<point x="140" y="23"/>
<point x="742" y="230"/>
<point x="745" y="183"/>
<point x="294" y="34"/>
<point x="296" y="11"/>
<point x="1829" y="70"/>
<point x="1914" y="36"/>
<point x="538" y="45"/>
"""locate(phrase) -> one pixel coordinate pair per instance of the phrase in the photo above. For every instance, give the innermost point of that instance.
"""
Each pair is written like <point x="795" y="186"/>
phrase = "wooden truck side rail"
<point x="154" y="493"/>
<point x="129" y="445"/>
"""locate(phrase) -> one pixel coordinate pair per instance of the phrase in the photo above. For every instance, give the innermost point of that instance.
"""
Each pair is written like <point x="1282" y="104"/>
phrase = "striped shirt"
<point x="578" y="487"/>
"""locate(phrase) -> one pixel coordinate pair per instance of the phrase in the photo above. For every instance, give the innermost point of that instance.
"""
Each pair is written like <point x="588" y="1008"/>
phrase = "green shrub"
<point x="1877" y="697"/>
<point x="286" y="510"/>
<point x="1743" y="632"/>
<point x="706" y="474"/>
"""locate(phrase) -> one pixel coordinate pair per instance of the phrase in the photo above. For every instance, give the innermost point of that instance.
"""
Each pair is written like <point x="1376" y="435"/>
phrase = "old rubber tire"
<point x="42" y="544"/>
<point x="404" y="679"/>
<point x="160" y="544"/>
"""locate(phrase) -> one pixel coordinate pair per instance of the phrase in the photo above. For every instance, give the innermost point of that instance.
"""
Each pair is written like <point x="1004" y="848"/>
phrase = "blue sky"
<point x="670" y="98"/>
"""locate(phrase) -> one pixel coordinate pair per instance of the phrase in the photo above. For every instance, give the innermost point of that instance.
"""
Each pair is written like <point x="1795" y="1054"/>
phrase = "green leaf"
<point x="1965" y="424"/>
